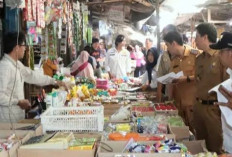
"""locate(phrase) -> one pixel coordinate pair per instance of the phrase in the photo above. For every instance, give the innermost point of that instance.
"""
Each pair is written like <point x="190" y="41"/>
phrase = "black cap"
<point x="224" y="42"/>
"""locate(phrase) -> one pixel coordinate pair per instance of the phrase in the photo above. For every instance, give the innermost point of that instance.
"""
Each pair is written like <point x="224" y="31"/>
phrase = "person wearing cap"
<point x="183" y="59"/>
<point x="225" y="47"/>
<point x="95" y="52"/>
<point x="209" y="72"/>
<point x="118" y="62"/>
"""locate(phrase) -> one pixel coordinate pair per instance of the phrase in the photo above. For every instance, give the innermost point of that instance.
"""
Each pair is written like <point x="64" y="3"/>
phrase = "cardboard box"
<point x="23" y="137"/>
<point x="144" y="110"/>
<point x="195" y="147"/>
<point x="181" y="133"/>
<point x="118" y="146"/>
<point x="30" y="121"/>
<point x="12" y="152"/>
<point x="60" y="153"/>
<point x="167" y="136"/>
<point x="110" y="109"/>
<point x="22" y="126"/>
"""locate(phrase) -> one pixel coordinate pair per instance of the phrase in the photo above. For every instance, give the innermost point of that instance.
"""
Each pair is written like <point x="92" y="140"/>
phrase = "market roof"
<point x="133" y="10"/>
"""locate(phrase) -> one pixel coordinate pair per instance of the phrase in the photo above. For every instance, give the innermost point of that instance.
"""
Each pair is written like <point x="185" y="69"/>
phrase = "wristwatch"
<point x="188" y="79"/>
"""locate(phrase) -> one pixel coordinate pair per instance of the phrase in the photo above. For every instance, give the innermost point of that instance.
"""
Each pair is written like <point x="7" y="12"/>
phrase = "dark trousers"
<point x="138" y="71"/>
<point x="208" y="127"/>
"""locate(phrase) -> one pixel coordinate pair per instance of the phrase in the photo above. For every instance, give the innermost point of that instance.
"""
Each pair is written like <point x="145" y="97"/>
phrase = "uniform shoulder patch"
<point x="194" y="51"/>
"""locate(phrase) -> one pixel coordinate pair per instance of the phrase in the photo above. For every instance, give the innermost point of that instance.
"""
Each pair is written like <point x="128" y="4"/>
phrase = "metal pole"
<point x="158" y="25"/>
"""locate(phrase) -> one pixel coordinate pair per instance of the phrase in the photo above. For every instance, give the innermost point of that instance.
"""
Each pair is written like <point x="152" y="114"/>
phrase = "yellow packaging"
<point x="123" y="127"/>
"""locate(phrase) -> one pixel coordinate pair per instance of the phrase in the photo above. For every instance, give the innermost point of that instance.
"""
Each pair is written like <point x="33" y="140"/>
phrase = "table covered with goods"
<point x="108" y="119"/>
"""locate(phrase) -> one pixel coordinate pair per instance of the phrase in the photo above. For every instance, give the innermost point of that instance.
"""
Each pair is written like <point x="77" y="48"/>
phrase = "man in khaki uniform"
<point x="164" y="63"/>
<point x="183" y="89"/>
<point x="209" y="73"/>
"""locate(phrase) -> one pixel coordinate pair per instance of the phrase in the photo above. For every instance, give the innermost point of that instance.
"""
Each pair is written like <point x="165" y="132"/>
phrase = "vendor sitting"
<point x="82" y="68"/>
<point x="149" y="77"/>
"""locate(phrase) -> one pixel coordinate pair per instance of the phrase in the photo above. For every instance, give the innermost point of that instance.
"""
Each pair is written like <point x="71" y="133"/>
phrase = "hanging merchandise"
<point x="65" y="12"/>
<point x="89" y="35"/>
<point x="31" y="55"/>
<point x="32" y="34"/>
<point x="59" y="33"/>
<point x="76" y="24"/>
<point x="63" y="42"/>
<point x="34" y="11"/>
<point x="40" y="13"/>
<point x="15" y="3"/>
<point x="53" y="11"/>
<point x="44" y="42"/>
<point x="85" y="22"/>
<point x="27" y="11"/>
<point x="52" y="40"/>
<point x="33" y="4"/>
<point x="12" y="22"/>
<point x="70" y="18"/>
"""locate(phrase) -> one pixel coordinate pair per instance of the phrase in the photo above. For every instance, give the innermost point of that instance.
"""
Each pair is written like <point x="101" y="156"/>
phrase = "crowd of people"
<point x="203" y="68"/>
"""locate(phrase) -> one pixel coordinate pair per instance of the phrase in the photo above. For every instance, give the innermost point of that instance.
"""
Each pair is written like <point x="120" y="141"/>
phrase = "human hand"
<point x="24" y="104"/>
<point x="144" y="87"/>
<point x="62" y="84"/>
<point x="68" y="75"/>
<point x="227" y="94"/>
<point x="111" y="76"/>
<point x="93" y="81"/>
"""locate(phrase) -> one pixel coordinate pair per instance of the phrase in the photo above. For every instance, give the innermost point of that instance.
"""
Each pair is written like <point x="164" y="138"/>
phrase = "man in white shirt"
<point x="13" y="74"/>
<point x="118" y="62"/>
<point x="225" y="47"/>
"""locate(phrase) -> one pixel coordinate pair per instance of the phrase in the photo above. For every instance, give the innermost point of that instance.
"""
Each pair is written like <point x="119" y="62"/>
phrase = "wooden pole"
<point x="158" y="25"/>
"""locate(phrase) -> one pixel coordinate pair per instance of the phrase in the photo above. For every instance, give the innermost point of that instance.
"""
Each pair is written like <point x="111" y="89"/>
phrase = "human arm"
<point x="160" y="72"/>
<point x="32" y="77"/>
<point x="91" y="74"/>
<point x="228" y="95"/>
<point x="107" y="65"/>
<point x="159" y="91"/>
<point x="128" y="64"/>
<point x="36" y="78"/>
<point x="184" y="79"/>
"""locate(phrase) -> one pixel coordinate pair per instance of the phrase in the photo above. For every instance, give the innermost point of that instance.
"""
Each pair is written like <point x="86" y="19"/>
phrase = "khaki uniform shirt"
<point x="185" y="64"/>
<point x="164" y="65"/>
<point x="184" y="93"/>
<point x="209" y="73"/>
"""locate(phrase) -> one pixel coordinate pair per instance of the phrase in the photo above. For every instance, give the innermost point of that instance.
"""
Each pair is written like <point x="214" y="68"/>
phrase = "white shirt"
<point x="153" y="79"/>
<point x="118" y="63"/>
<point x="227" y="129"/>
<point x="23" y="74"/>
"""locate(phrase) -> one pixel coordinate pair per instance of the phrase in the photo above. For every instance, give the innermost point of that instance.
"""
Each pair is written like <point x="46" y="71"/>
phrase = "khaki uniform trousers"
<point x="208" y="127"/>
<point x="184" y="96"/>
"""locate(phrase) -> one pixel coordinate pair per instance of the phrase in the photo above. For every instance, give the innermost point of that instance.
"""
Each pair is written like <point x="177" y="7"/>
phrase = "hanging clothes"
<point x="12" y="21"/>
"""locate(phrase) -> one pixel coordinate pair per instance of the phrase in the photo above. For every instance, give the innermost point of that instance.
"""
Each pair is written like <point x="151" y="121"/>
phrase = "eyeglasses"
<point x="23" y="44"/>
